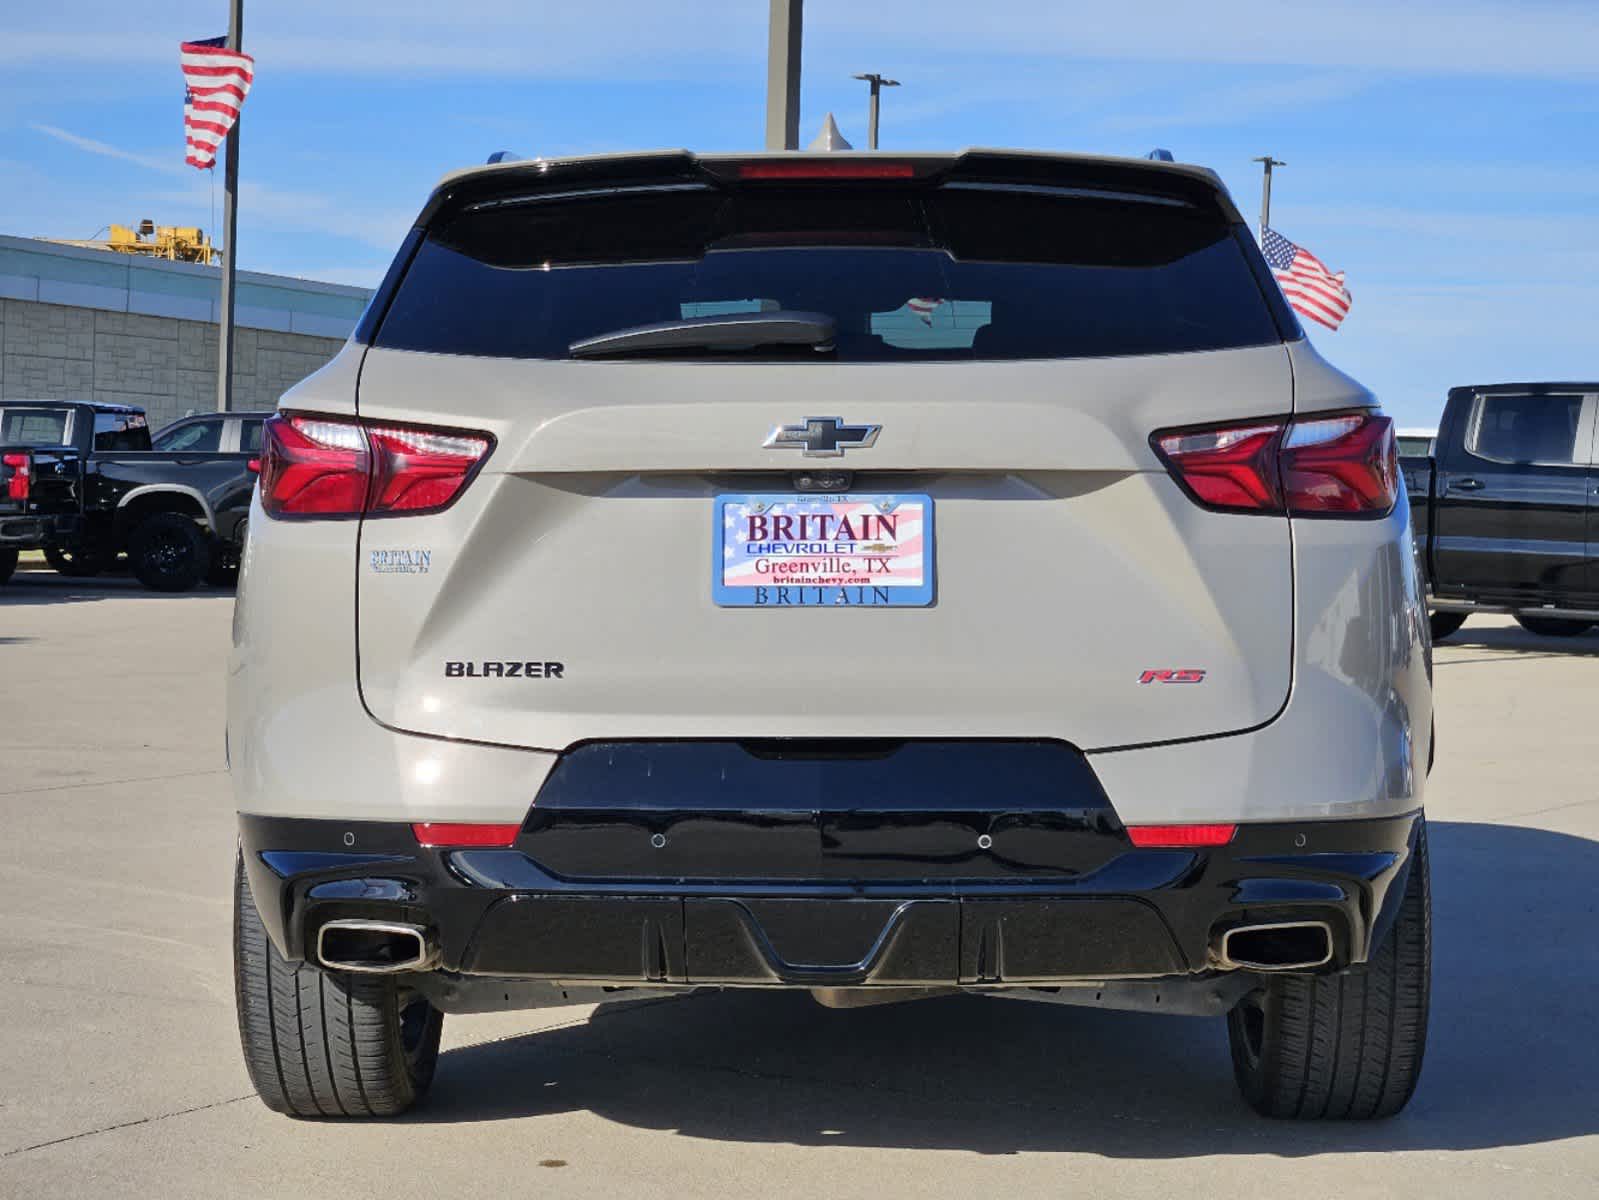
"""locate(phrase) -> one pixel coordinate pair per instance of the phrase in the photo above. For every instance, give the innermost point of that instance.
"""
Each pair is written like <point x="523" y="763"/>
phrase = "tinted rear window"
<point x="121" y="431"/>
<point x="33" y="426"/>
<point x="1527" y="429"/>
<point x="958" y="272"/>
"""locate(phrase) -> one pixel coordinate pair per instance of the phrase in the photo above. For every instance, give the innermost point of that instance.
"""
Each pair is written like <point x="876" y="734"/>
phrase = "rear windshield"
<point x="963" y="271"/>
<point x="121" y="431"/>
<point x="1528" y="429"/>
<point x="33" y="426"/>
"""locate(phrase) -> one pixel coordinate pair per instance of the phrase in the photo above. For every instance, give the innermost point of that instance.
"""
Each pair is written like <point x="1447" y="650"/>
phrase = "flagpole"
<point x="1268" y="162"/>
<point x="230" y="233"/>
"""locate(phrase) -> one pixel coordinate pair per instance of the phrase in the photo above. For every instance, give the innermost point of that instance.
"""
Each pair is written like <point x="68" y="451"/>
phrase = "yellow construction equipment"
<point x="176" y="243"/>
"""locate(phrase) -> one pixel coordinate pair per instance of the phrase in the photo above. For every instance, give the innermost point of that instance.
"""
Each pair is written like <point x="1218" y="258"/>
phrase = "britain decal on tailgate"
<point x="809" y="551"/>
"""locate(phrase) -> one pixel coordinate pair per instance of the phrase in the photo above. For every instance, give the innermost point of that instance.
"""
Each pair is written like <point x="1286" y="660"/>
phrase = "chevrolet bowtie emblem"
<point x="822" y="437"/>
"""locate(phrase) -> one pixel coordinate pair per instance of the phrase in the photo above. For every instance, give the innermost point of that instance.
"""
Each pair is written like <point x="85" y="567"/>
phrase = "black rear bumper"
<point x="1029" y="878"/>
<point x="33" y="531"/>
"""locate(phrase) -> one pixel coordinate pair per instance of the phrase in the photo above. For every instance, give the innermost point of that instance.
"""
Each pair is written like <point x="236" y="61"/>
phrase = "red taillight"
<point x="421" y="470"/>
<point x="21" y="476"/>
<point x="1174" y="837"/>
<point x="314" y="467"/>
<point x="812" y="169"/>
<point x="1347" y="463"/>
<point x="1231" y="466"/>
<point x="443" y="833"/>
<point x="1318" y="465"/>
<point x="335" y="467"/>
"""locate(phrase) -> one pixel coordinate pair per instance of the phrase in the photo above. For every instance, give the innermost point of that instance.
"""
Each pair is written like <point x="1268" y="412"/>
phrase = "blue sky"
<point x="1441" y="152"/>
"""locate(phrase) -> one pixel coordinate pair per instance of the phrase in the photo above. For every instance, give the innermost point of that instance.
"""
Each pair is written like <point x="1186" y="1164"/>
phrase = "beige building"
<point x="83" y="324"/>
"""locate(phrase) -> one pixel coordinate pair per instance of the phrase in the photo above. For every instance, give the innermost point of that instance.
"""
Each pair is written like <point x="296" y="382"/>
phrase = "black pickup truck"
<point x="80" y="482"/>
<point x="1506" y="511"/>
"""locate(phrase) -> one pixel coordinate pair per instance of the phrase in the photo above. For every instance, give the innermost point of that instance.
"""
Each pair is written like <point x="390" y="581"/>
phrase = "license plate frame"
<point x="895" y="530"/>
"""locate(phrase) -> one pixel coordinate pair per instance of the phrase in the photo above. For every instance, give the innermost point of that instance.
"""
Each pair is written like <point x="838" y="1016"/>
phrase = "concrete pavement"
<point x="120" y="1071"/>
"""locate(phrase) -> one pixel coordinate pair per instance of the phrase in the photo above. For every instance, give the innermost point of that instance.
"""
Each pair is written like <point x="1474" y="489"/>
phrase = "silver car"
<point x="879" y="575"/>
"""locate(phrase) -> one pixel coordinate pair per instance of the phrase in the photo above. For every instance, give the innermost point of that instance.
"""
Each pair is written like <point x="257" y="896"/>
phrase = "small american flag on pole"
<point x="218" y="80"/>
<point x="1310" y="287"/>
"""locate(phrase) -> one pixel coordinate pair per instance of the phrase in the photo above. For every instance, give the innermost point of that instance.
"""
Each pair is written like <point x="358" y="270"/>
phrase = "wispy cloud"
<point x="367" y="277"/>
<point x="475" y="38"/>
<point x="1515" y="226"/>
<point x="941" y="88"/>
<point x="1239" y="104"/>
<point x="107" y="150"/>
<point x="1542" y="38"/>
<point x="511" y="38"/>
<point x="270" y="207"/>
<point x="267" y="208"/>
<point x="1460" y="334"/>
<point x="1509" y="177"/>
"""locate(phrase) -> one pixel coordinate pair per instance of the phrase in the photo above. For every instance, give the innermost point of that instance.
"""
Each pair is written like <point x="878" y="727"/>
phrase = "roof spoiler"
<point x="1148" y="176"/>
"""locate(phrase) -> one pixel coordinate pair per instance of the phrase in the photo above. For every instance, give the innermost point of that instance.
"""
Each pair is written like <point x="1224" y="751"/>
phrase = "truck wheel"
<point x="1553" y="626"/>
<point x="8" y="564"/>
<point x="169" y="552"/>
<point x="323" y="1043"/>
<point x="1445" y="623"/>
<point x="1347" y="1045"/>
<point x="81" y="562"/>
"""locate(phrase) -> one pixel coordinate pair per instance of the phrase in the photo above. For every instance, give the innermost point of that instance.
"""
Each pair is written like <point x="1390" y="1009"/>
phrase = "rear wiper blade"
<point x="730" y="331"/>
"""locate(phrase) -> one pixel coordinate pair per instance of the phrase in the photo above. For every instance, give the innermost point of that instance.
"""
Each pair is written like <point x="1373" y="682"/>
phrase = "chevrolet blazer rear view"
<point x="879" y="575"/>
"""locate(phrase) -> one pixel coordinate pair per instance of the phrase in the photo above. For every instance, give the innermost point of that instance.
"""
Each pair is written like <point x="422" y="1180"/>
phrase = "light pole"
<point x="1268" y="162"/>
<point x="783" y="40"/>
<point x="878" y="83"/>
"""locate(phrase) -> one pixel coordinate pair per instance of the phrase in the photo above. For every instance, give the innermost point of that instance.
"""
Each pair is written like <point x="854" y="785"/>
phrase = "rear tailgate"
<point x="1067" y="562"/>
<point x="568" y="593"/>
<point x="38" y="481"/>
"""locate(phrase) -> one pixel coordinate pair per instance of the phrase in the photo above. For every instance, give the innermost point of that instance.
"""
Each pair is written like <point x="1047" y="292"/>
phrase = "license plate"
<point x="815" y="551"/>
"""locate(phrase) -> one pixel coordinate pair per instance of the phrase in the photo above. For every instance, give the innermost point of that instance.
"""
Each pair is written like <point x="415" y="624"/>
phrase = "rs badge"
<point x="1168" y="675"/>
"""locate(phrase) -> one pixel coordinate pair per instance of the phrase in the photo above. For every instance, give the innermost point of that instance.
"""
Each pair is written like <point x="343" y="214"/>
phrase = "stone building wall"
<point x="166" y="365"/>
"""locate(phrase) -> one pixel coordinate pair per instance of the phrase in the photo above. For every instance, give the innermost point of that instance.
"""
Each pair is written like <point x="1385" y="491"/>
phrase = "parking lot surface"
<point x="120" y="1071"/>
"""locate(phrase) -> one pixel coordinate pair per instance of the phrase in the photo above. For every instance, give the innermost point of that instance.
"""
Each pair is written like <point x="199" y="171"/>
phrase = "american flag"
<point x="1311" y="288"/>
<point x="218" y="80"/>
<point x="924" y="307"/>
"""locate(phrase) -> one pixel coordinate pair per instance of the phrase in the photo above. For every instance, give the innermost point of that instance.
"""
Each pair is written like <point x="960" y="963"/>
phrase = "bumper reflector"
<point x="1180" y="836"/>
<point x="431" y="833"/>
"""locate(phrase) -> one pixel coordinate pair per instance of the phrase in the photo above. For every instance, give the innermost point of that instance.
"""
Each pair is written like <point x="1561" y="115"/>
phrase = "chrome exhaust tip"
<point x="374" y="947"/>
<point x="1277" y="946"/>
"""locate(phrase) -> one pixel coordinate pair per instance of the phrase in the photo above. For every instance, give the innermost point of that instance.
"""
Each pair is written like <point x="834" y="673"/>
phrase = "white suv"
<point x="878" y="575"/>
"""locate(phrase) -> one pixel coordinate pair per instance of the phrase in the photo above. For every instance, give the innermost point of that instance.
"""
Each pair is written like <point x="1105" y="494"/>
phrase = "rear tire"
<point x="169" y="552"/>
<point x="1346" y="1046"/>
<point x="1559" y="627"/>
<point x="1445" y="623"/>
<point x="323" y="1043"/>
<point x="8" y="564"/>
